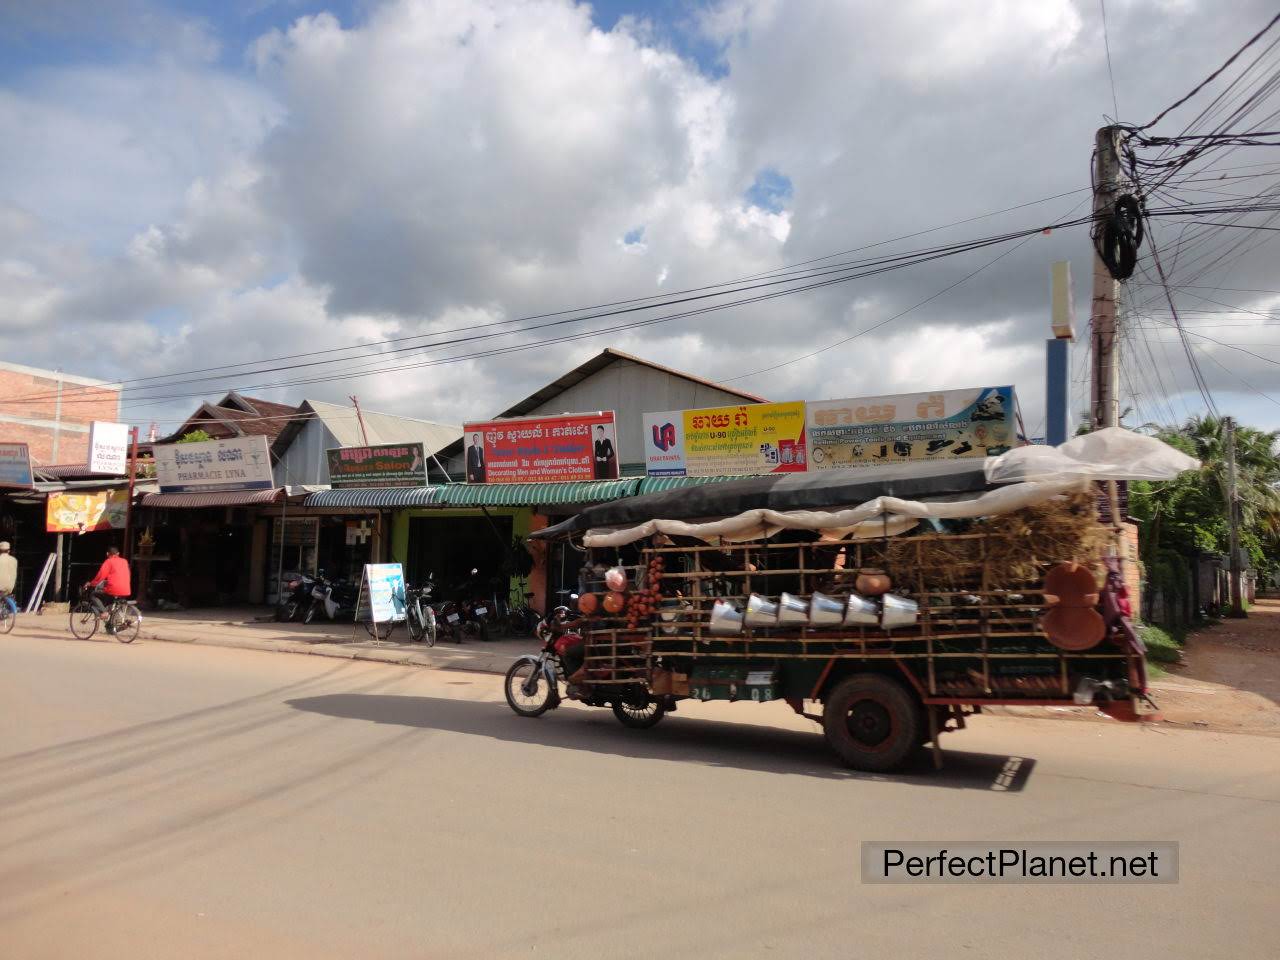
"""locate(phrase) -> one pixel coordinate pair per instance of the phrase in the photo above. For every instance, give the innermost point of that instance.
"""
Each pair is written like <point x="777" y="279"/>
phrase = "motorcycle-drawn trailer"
<point x="900" y="599"/>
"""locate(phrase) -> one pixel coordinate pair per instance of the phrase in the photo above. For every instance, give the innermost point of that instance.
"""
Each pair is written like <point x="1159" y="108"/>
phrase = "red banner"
<point x="579" y="446"/>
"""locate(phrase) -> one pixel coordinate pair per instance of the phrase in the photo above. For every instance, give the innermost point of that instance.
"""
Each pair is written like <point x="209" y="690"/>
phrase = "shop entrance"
<point x="449" y="548"/>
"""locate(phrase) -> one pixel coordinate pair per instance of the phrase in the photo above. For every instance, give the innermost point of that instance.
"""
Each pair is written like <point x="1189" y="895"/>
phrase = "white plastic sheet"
<point x="1109" y="454"/>
<point x="875" y="518"/>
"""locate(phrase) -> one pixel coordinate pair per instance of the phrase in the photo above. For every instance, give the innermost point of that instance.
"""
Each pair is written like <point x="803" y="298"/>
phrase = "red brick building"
<point x="51" y="411"/>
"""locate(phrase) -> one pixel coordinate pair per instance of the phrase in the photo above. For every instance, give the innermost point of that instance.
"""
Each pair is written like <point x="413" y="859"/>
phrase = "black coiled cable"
<point x="1118" y="236"/>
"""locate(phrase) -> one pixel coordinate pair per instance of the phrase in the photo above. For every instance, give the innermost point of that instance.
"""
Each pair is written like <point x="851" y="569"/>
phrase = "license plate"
<point x="453" y="618"/>
<point x="481" y="611"/>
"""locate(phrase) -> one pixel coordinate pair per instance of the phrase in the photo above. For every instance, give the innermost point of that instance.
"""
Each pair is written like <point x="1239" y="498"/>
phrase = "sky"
<point x="191" y="185"/>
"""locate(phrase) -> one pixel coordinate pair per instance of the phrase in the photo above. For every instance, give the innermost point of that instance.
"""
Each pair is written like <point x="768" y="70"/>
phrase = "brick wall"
<point x="31" y="396"/>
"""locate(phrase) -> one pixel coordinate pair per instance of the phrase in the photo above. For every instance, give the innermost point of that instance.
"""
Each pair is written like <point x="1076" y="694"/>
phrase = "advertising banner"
<point x="212" y="466"/>
<point x="388" y="465"/>
<point x="942" y="425"/>
<point x="384" y="585"/>
<point x="15" y="466"/>
<point x="741" y="441"/>
<point x="577" y="446"/>
<point x="86" y="512"/>
<point x="108" y="447"/>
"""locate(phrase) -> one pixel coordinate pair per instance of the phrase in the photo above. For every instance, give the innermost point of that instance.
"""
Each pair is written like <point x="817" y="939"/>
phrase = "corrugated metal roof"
<point x="382" y="427"/>
<point x="597" y="363"/>
<point x="385" y="497"/>
<point x="234" y="498"/>
<point x="658" y="484"/>
<point x="535" y="494"/>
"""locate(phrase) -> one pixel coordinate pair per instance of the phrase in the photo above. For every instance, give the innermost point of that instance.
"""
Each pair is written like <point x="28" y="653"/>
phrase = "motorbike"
<point x="295" y="596"/>
<point x="448" y="617"/>
<point x="477" y="612"/>
<point x="333" y="598"/>
<point x="532" y="684"/>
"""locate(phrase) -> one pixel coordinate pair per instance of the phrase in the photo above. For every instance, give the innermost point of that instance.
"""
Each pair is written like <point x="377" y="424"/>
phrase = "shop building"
<point x="50" y="411"/>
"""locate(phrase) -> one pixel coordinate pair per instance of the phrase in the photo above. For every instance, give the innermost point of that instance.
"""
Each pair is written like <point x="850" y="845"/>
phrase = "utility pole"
<point x="1105" y="396"/>
<point x="355" y="402"/>
<point x="1233" y="519"/>
<point x="1107" y="186"/>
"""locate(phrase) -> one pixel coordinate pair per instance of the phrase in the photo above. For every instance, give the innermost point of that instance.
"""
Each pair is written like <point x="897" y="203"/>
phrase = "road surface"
<point x="161" y="800"/>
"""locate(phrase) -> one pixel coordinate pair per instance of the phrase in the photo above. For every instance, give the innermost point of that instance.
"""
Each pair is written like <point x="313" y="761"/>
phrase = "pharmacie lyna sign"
<point x="212" y="466"/>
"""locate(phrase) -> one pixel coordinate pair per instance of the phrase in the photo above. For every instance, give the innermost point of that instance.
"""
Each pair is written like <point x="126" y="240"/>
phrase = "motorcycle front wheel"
<point x="528" y="692"/>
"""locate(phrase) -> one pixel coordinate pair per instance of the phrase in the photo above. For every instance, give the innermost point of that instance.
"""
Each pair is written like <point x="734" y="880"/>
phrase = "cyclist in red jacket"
<point x="112" y="579"/>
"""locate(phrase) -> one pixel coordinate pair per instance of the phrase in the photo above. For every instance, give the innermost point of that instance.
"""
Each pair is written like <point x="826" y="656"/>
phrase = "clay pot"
<point x="872" y="583"/>
<point x="614" y="602"/>
<point x="1070" y="585"/>
<point x="1074" y="628"/>
<point x="588" y="603"/>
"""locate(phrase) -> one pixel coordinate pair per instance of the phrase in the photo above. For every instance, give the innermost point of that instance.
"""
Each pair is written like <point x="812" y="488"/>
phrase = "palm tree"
<point x="1257" y="467"/>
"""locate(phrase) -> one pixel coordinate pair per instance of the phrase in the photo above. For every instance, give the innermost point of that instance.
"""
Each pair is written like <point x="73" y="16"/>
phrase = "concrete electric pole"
<point x="1233" y="519"/>
<point x="1107" y="186"/>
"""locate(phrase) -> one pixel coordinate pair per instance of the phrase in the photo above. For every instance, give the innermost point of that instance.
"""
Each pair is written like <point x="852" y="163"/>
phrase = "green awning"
<point x="659" y="484"/>
<point x="534" y="494"/>
<point x="381" y="497"/>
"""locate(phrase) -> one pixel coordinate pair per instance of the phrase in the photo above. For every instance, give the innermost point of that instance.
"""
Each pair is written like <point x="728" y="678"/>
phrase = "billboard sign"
<point x="15" y="466"/>
<point x="387" y="465"/>
<point x="742" y="441"/>
<point x="576" y="446"/>
<point x="211" y="466"/>
<point x="941" y="425"/>
<point x="86" y="512"/>
<point x="108" y="447"/>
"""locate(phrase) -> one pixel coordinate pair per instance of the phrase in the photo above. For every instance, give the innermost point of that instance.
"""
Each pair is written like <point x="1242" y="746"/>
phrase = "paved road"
<point x="169" y="801"/>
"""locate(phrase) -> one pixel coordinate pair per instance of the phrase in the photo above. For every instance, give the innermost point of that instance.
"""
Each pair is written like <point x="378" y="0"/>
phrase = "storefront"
<point x="207" y="549"/>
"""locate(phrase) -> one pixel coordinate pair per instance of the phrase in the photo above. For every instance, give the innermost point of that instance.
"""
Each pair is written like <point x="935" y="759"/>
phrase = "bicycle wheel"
<point x="380" y="631"/>
<point x="8" y="616"/>
<point x="84" y="622"/>
<point x="128" y="619"/>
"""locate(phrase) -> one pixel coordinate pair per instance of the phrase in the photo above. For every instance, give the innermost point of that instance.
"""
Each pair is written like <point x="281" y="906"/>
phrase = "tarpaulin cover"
<point x="881" y="501"/>
<point x="1109" y="454"/>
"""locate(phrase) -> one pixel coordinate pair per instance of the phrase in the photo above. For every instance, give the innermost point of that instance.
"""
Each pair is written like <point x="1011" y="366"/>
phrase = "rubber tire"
<point x="79" y="610"/>
<point x="287" y="611"/>
<point x="430" y="628"/>
<point x="310" y="615"/>
<point x="547" y="703"/>
<point x="128" y="636"/>
<point x="7" y="617"/>
<point x="905" y="714"/>
<point x="637" y="723"/>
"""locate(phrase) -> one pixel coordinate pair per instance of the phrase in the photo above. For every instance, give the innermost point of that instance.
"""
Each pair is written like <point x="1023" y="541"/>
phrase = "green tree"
<point x="1190" y="513"/>
<point x="195" y="436"/>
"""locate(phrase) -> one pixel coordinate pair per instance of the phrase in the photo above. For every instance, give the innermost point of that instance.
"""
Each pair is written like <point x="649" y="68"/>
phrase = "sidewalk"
<point x="238" y="628"/>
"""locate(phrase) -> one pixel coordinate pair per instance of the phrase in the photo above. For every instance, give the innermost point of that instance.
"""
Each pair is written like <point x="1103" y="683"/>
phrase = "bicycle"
<point x="8" y="612"/>
<point x="521" y="618"/>
<point x="123" y="616"/>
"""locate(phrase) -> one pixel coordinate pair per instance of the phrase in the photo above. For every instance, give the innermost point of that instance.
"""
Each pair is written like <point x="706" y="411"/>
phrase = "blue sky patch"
<point x="771" y="191"/>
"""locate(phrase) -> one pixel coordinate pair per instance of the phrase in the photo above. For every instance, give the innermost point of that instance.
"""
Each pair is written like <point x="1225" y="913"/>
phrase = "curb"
<point x="392" y="658"/>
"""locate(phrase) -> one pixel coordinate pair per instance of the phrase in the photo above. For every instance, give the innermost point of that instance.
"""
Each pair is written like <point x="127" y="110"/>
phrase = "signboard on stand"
<point x="15" y="466"/>
<point x="212" y="466"/>
<point x="388" y="465"/>
<point x="742" y="441"/>
<point x="86" y="512"/>
<point x="108" y="448"/>
<point x="381" y="597"/>
<point x="579" y="446"/>
<point x="942" y="425"/>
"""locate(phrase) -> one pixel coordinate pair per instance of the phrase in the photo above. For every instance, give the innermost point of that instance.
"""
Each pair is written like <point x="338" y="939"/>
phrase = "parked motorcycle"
<point x="334" y="599"/>
<point x="449" y="620"/>
<point x="295" y="596"/>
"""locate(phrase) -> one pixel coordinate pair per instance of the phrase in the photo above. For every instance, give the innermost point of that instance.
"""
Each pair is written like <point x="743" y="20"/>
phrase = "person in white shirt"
<point x="8" y="569"/>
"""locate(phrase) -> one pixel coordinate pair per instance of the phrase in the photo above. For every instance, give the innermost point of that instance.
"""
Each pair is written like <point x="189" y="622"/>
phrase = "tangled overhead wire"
<point x="1118" y="235"/>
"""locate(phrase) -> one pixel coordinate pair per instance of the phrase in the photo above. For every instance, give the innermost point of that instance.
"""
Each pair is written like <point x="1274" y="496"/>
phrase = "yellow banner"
<point x="747" y="440"/>
<point x="86" y="512"/>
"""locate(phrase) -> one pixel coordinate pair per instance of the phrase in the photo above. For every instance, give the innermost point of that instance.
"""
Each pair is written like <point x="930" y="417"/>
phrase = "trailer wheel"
<point x="872" y="722"/>
<point x="639" y="717"/>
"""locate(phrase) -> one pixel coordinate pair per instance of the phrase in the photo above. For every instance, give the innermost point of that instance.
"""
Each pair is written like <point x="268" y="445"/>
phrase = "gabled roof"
<point x="381" y="428"/>
<point x="237" y="416"/>
<point x="600" y="361"/>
